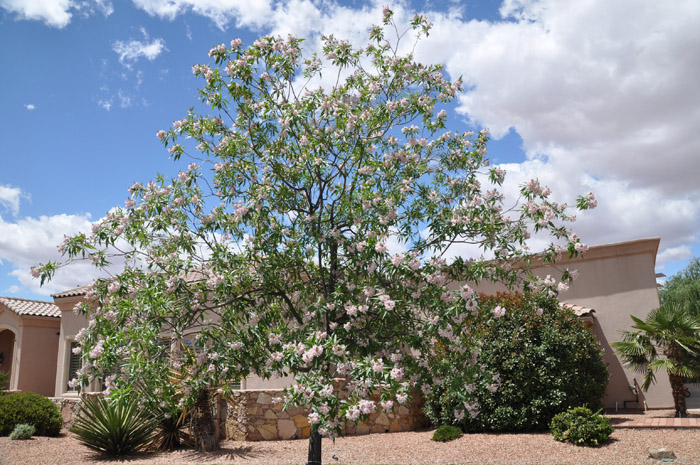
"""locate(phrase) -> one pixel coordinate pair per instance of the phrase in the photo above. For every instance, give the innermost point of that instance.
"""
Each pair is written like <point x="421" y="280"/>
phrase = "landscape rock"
<point x="661" y="453"/>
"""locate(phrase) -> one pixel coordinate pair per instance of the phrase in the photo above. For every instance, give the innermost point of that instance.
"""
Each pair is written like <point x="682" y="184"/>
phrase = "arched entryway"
<point x="7" y="347"/>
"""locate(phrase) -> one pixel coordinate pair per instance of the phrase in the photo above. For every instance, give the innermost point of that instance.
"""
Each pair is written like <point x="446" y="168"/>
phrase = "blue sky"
<point x="600" y="97"/>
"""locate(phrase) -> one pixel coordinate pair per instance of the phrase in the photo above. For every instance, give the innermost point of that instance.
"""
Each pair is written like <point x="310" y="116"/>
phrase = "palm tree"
<point x="668" y="339"/>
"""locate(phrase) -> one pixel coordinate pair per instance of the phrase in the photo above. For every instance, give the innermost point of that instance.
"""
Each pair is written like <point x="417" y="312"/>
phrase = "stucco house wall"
<point x="616" y="280"/>
<point x="31" y="328"/>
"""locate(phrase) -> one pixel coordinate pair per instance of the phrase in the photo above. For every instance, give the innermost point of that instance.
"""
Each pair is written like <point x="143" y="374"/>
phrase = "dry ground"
<point x="629" y="446"/>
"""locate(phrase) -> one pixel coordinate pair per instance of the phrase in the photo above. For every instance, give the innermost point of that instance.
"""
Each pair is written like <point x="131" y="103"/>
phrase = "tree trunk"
<point x="204" y="428"/>
<point x="678" y="395"/>
<point x="314" y="448"/>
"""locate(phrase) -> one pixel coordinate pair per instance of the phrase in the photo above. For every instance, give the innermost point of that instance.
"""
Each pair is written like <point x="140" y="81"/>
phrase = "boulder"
<point x="661" y="453"/>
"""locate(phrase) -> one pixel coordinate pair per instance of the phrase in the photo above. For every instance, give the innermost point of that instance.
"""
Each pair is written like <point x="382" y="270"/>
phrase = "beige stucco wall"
<point x="619" y="280"/>
<point x="31" y="360"/>
<point x="616" y="280"/>
<point x="70" y="325"/>
<point x="38" y="355"/>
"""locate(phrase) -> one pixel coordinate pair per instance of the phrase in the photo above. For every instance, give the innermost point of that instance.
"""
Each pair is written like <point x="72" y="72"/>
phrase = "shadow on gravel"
<point x="225" y="453"/>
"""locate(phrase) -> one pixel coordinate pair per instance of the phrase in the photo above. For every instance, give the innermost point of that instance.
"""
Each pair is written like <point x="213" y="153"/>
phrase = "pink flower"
<point x="498" y="312"/>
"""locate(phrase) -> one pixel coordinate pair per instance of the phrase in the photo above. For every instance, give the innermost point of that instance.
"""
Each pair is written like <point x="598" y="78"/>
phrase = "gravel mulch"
<point x="629" y="446"/>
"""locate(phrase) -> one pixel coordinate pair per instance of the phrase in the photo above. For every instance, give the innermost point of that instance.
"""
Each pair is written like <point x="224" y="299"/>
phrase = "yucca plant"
<point x="113" y="428"/>
<point x="171" y="431"/>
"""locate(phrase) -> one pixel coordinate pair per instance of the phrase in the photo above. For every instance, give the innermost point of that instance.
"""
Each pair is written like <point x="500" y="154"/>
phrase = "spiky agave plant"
<point x="113" y="428"/>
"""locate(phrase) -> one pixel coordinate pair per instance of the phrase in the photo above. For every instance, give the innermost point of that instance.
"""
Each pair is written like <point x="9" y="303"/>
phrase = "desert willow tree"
<point x="275" y="245"/>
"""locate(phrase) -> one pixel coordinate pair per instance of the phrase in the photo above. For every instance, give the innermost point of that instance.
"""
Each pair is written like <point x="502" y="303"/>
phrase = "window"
<point x="75" y="362"/>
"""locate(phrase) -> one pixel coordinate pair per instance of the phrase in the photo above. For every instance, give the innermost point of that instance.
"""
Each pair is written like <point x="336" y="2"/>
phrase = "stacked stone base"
<point x="251" y="415"/>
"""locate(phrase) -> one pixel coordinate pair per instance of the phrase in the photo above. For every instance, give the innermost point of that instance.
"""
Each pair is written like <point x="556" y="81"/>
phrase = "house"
<point x="616" y="281"/>
<point x="29" y="337"/>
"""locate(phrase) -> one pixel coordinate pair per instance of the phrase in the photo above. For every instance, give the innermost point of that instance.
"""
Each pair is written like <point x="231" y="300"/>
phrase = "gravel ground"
<point x="629" y="446"/>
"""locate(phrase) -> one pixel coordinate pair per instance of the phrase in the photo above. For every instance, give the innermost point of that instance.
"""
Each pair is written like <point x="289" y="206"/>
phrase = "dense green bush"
<point x="446" y="433"/>
<point x="544" y="361"/>
<point x="22" y="431"/>
<point x="27" y="407"/>
<point x="581" y="426"/>
<point x="4" y="381"/>
<point x="113" y="428"/>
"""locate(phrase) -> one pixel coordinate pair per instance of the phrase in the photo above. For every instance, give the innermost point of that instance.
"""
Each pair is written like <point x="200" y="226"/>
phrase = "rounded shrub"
<point x="536" y="360"/>
<point x="446" y="433"/>
<point x="582" y="427"/>
<point x="23" y="431"/>
<point x="30" y="408"/>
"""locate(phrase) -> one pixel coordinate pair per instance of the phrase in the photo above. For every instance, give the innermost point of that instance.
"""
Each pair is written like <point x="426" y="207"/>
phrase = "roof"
<point x="579" y="311"/>
<point x="26" y="307"/>
<point x="76" y="291"/>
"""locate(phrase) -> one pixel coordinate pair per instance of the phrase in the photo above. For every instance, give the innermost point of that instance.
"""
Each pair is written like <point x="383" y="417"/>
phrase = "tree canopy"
<point x="310" y="234"/>
<point x="684" y="287"/>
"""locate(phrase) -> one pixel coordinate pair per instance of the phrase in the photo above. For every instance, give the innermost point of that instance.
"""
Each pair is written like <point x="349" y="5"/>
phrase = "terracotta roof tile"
<point x="76" y="291"/>
<point x="26" y="307"/>
<point x="578" y="309"/>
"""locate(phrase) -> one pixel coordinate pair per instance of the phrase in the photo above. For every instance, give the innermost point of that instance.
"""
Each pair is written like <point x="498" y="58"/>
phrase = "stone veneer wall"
<point x="70" y="406"/>
<point x="252" y="416"/>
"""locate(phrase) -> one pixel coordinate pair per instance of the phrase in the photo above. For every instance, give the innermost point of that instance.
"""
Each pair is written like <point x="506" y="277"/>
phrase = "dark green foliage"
<point x="27" y="407"/>
<point x="4" y="381"/>
<point x="546" y="363"/>
<point x="22" y="431"/>
<point x="684" y="288"/>
<point x="113" y="428"/>
<point x="582" y="427"/>
<point x="446" y="433"/>
<point x="171" y="432"/>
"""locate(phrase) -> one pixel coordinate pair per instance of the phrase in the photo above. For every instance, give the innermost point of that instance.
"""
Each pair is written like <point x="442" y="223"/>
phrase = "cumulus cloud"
<point x="28" y="241"/>
<point x="10" y="197"/>
<point x="30" y="106"/>
<point x="604" y="98"/>
<point x="55" y="13"/>
<point x="133" y="50"/>
<point x="221" y="12"/>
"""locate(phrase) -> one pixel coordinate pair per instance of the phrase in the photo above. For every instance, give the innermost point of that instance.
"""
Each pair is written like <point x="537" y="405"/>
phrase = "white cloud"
<point x="104" y="103"/>
<point x="28" y="241"/>
<point x="221" y="12"/>
<point x="133" y="50"/>
<point x="604" y="98"/>
<point x="10" y="197"/>
<point x="673" y="254"/>
<point x="30" y="106"/>
<point x="124" y="100"/>
<point x="55" y="13"/>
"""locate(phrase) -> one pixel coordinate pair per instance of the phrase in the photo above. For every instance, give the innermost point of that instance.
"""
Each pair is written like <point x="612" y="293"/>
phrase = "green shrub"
<point x="22" y="431"/>
<point x="446" y="433"/>
<point x="113" y="428"/>
<point x="30" y="408"/>
<point x="545" y="363"/>
<point x="4" y="381"/>
<point x="581" y="426"/>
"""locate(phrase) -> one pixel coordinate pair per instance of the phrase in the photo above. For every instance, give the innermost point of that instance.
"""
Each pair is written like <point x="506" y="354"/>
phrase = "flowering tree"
<point x="275" y="246"/>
